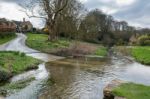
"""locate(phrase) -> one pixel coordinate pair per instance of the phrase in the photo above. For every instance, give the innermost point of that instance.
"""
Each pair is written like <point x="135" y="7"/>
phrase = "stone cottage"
<point x="24" y="26"/>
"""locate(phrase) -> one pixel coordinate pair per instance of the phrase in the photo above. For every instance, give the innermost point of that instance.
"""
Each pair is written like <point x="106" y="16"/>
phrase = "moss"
<point x="132" y="91"/>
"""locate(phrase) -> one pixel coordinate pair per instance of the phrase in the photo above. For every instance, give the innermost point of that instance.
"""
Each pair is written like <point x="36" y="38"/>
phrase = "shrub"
<point x="22" y="54"/>
<point x="4" y="75"/>
<point x="144" y="40"/>
<point x="45" y="30"/>
<point x="16" y="53"/>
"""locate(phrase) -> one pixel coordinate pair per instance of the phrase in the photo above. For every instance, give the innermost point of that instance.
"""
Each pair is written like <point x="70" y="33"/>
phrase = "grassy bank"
<point x="39" y="42"/>
<point x="4" y="39"/>
<point x="101" y="51"/>
<point x="12" y="63"/>
<point x="133" y="91"/>
<point x="63" y="47"/>
<point x="141" y="54"/>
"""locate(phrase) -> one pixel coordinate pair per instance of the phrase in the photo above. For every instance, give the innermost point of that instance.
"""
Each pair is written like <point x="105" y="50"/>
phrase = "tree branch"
<point x="60" y="9"/>
<point x="33" y="16"/>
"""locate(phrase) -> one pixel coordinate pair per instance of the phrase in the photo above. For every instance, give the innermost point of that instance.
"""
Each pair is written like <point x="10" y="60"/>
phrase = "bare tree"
<point x="50" y="10"/>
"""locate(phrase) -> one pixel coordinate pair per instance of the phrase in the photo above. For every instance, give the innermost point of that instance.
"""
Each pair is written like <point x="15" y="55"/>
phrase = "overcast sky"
<point x="135" y="12"/>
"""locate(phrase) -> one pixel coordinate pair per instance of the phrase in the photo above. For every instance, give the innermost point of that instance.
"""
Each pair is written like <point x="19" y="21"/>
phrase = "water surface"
<point x="85" y="79"/>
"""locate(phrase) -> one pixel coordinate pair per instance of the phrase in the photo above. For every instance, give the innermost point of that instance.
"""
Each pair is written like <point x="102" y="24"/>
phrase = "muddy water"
<point x="85" y="79"/>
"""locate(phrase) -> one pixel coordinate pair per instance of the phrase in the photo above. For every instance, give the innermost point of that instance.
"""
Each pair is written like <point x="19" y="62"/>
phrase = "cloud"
<point x="124" y="2"/>
<point x="136" y="12"/>
<point x="13" y="13"/>
<point x="83" y="1"/>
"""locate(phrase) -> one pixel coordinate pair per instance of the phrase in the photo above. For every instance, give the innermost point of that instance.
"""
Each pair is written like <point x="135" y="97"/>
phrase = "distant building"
<point x="7" y="26"/>
<point x="25" y="26"/>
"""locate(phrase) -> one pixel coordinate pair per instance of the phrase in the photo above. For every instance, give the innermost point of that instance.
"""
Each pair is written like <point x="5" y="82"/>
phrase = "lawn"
<point x="12" y="63"/>
<point x="39" y="42"/>
<point x="141" y="54"/>
<point x="133" y="91"/>
<point x="7" y="38"/>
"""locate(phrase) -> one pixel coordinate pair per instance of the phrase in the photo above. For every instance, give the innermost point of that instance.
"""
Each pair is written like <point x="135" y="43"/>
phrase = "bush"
<point x="45" y="30"/>
<point x="144" y="40"/>
<point x="4" y="75"/>
<point x="6" y="34"/>
<point x="16" y="53"/>
<point x="22" y="54"/>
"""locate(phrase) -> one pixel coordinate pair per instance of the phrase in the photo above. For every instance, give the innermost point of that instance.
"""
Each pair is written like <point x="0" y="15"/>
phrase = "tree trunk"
<point x="52" y="33"/>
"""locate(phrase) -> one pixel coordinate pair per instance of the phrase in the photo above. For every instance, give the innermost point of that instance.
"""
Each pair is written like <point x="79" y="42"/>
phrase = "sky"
<point x="135" y="12"/>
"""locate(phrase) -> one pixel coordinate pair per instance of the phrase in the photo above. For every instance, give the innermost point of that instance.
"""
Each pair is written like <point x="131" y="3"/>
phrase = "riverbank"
<point x="10" y="88"/>
<point x="13" y="63"/>
<point x="64" y="47"/>
<point x="132" y="91"/>
<point x="118" y="89"/>
<point x="40" y="43"/>
<point x="4" y="39"/>
<point x="139" y="53"/>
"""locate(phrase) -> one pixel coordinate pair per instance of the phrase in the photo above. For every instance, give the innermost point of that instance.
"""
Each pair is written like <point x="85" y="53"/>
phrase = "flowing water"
<point x="85" y="79"/>
<point x="74" y="78"/>
<point x="32" y="91"/>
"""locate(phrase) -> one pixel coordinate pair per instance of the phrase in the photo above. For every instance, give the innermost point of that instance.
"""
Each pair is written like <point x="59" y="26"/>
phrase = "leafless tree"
<point x="50" y="10"/>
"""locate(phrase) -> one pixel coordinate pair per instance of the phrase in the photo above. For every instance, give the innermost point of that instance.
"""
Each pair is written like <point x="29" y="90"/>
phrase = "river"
<point x="74" y="78"/>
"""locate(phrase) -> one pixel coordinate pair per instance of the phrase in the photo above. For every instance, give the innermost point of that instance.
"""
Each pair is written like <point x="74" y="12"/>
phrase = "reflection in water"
<point x="77" y="79"/>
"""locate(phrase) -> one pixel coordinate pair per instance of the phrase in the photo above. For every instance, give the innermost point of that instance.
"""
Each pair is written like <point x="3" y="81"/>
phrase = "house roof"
<point x="19" y="23"/>
<point x="3" y="20"/>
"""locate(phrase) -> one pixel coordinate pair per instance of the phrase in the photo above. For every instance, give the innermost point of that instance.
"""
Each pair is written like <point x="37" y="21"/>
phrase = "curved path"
<point x="41" y="74"/>
<point x="18" y="44"/>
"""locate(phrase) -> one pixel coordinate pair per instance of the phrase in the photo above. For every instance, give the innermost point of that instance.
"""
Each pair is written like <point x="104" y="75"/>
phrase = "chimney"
<point x="24" y="19"/>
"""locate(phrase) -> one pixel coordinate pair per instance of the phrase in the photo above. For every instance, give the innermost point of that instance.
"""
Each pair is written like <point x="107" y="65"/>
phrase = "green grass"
<point x="6" y="38"/>
<point x="101" y="51"/>
<point x="12" y="63"/>
<point x="39" y="42"/>
<point x="133" y="91"/>
<point x="141" y="54"/>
